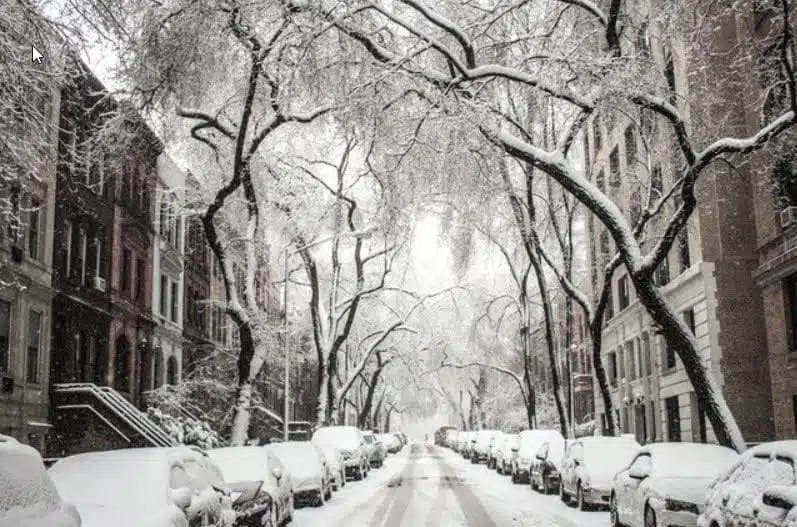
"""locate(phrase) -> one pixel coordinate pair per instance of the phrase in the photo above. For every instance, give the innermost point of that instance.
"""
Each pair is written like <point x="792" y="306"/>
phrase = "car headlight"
<point x="681" y="506"/>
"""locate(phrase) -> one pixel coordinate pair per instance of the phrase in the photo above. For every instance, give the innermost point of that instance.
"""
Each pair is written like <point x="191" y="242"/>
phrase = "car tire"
<point x="580" y="501"/>
<point x="328" y="495"/>
<point x="532" y="483"/>
<point x="319" y="500"/>
<point x="515" y="477"/>
<point x="563" y="495"/>
<point x="650" y="517"/>
<point x="499" y="470"/>
<point x="614" y="515"/>
<point x="546" y="485"/>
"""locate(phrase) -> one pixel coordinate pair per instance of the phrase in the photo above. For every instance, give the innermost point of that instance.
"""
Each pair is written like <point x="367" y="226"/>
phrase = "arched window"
<point x="122" y="364"/>
<point x="172" y="370"/>
<point x="157" y="368"/>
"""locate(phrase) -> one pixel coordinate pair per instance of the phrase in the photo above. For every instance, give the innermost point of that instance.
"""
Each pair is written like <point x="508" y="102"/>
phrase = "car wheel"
<point x="328" y="495"/>
<point x="319" y="500"/>
<point x="514" y="477"/>
<point x="546" y="485"/>
<point x="499" y="470"/>
<point x="614" y="515"/>
<point x="650" y="517"/>
<point x="582" y="504"/>
<point x="532" y="482"/>
<point x="562" y="494"/>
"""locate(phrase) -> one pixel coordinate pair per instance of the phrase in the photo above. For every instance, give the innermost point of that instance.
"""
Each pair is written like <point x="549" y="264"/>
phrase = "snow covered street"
<point x="428" y="486"/>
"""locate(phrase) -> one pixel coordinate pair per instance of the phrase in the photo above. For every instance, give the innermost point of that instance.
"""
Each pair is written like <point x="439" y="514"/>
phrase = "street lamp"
<point x="286" y="341"/>
<point x="573" y="349"/>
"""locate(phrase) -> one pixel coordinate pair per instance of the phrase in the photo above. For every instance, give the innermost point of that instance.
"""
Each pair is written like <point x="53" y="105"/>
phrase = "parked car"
<point x="451" y="437"/>
<point x="666" y="483"/>
<point x="310" y="475"/>
<point x="760" y="489"/>
<point x="507" y="453"/>
<point x="469" y="441"/>
<point x="172" y="487"/>
<point x="529" y="442"/>
<point x="375" y="456"/>
<point x="337" y="465"/>
<point x="261" y="488"/>
<point x="547" y="463"/>
<point x="493" y="448"/>
<point x="28" y="497"/>
<point x="390" y="442"/>
<point x="481" y="445"/>
<point x="351" y="443"/>
<point x="459" y="442"/>
<point x="589" y="466"/>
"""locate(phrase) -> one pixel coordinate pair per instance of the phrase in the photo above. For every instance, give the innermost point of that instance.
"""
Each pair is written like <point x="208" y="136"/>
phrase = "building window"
<point x="127" y="259"/>
<point x="647" y="359"/>
<point x="5" y="335"/>
<point x="612" y="368"/>
<point x="630" y="147"/>
<point x="140" y="280"/>
<point x="683" y="248"/>
<point x="791" y="299"/>
<point x="623" y="292"/>
<point x="175" y="299"/>
<point x="689" y="319"/>
<point x="69" y="235"/>
<point x="122" y="364"/>
<point x="164" y="296"/>
<point x="157" y="369"/>
<point x="171" y="371"/>
<point x="670" y="356"/>
<point x="609" y="305"/>
<point x="614" y="168"/>
<point x="785" y="183"/>
<point x="673" y="410"/>
<point x="34" y="227"/>
<point x="661" y="276"/>
<point x="631" y="351"/>
<point x="33" y="343"/>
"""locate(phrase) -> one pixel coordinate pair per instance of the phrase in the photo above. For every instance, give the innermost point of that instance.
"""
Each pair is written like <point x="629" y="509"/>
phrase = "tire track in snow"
<point x="399" y="494"/>
<point x="475" y="513"/>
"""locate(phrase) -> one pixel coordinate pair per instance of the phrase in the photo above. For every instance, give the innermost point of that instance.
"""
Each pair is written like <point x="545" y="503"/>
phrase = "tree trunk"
<point x="680" y="338"/>
<point x="388" y="416"/>
<point x="596" y="339"/>
<point x="322" y="406"/>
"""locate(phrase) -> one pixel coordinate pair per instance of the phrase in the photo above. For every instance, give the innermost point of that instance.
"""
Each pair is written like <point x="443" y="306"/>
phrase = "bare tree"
<point x="460" y="54"/>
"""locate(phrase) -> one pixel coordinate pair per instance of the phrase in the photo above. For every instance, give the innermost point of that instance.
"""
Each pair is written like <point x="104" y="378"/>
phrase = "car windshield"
<point x="692" y="461"/>
<point x="23" y="480"/>
<point x="247" y="463"/>
<point x="608" y="456"/>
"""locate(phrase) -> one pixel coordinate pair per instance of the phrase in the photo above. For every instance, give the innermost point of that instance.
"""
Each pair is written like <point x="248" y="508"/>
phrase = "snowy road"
<point x="426" y="486"/>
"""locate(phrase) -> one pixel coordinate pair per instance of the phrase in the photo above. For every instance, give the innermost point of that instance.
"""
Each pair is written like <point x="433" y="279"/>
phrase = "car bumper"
<point x="597" y="496"/>
<point x="666" y="518"/>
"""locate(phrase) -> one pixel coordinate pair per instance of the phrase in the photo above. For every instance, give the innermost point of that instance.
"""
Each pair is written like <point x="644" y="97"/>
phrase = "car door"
<point x="781" y="473"/>
<point x="738" y="493"/>
<point x="631" y="497"/>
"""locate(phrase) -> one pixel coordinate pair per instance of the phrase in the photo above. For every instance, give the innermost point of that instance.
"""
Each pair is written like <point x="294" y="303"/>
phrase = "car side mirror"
<point x="540" y="457"/>
<point x="778" y="497"/>
<point x="182" y="497"/>
<point x="277" y="473"/>
<point x="639" y="472"/>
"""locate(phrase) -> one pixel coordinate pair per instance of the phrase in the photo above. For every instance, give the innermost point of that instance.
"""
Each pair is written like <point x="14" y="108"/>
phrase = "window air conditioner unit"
<point x="788" y="217"/>
<point x="99" y="283"/>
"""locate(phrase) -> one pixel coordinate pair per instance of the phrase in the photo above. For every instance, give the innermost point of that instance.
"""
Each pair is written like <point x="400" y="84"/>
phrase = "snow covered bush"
<point x="186" y="430"/>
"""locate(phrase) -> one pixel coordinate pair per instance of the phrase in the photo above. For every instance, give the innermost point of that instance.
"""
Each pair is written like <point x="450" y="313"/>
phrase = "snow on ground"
<point x="428" y="486"/>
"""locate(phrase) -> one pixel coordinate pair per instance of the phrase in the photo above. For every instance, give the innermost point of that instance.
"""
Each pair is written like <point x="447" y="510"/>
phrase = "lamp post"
<point x="286" y="341"/>
<point x="573" y="349"/>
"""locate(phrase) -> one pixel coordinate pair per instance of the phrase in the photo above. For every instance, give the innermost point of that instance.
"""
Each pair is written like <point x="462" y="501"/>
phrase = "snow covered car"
<point x="156" y="487"/>
<point x="589" y="466"/>
<point x="349" y="440"/>
<point x="470" y="439"/>
<point x="481" y="445"/>
<point x="261" y="490"/>
<point x="459" y="442"/>
<point x="451" y="438"/>
<point x="493" y="448"/>
<point x="529" y="442"/>
<point x="28" y="497"/>
<point x="375" y="455"/>
<point x="506" y="453"/>
<point x="666" y="483"/>
<point x="336" y="463"/>
<point x="307" y="468"/>
<point x="760" y="489"/>
<point x="390" y="441"/>
<point x="545" y="466"/>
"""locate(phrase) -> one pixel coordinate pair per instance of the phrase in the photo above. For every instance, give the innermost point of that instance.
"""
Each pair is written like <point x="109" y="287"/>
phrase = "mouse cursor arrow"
<point x="36" y="55"/>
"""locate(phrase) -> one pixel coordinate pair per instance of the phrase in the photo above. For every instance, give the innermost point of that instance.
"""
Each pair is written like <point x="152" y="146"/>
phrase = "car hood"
<point x="38" y="517"/>
<point x="125" y="516"/>
<point x="692" y="490"/>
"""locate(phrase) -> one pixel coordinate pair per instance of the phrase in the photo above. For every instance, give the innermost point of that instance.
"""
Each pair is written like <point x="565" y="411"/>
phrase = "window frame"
<point x="34" y="233"/>
<point x="33" y="367"/>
